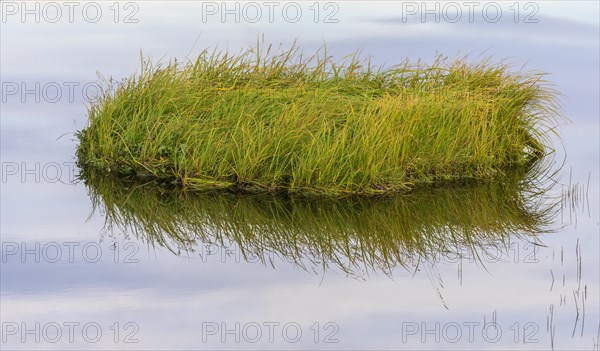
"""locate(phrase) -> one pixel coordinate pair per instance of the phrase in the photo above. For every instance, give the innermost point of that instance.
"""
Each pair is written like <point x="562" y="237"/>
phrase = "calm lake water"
<point x="106" y="265"/>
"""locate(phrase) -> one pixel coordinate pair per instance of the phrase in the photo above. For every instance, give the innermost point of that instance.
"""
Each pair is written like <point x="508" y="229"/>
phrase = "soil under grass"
<point x="272" y="120"/>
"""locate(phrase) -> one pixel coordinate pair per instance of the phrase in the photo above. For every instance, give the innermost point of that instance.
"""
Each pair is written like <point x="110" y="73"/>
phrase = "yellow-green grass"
<point x="277" y="120"/>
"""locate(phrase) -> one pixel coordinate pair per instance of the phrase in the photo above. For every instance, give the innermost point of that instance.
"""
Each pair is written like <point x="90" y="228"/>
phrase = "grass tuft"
<point x="274" y="120"/>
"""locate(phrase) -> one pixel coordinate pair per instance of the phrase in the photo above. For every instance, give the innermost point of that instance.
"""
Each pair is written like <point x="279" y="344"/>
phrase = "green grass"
<point x="273" y="120"/>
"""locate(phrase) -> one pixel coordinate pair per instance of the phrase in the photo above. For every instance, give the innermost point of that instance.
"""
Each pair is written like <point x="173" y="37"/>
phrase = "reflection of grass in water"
<point x="352" y="233"/>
